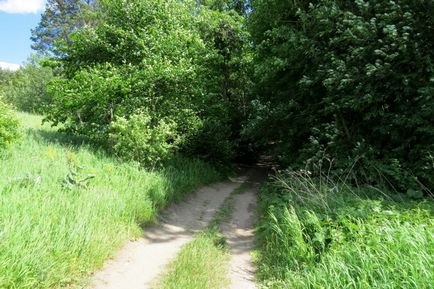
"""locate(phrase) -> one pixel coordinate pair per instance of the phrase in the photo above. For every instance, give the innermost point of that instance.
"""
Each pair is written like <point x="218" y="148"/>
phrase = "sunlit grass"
<point x="65" y="207"/>
<point x="325" y="235"/>
<point x="201" y="264"/>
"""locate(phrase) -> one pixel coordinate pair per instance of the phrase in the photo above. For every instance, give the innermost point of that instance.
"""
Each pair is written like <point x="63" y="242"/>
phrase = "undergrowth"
<point x="316" y="233"/>
<point x="65" y="207"/>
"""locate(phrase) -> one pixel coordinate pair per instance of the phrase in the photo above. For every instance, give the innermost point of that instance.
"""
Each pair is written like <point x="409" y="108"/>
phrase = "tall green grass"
<point x="320" y="234"/>
<point x="65" y="207"/>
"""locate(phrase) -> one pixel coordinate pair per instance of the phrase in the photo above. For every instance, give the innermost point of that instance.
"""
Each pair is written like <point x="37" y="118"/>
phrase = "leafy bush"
<point x="320" y="234"/>
<point x="8" y="125"/>
<point x="137" y="138"/>
<point x="224" y="71"/>
<point x="350" y="81"/>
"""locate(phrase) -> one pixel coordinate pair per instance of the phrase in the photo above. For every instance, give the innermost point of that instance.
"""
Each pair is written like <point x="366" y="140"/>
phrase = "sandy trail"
<point x="239" y="234"/>
<point x="139" y="262"/>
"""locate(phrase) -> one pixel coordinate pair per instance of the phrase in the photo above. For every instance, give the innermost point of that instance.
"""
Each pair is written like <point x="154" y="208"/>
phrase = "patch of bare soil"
<point x="239" y="233"/>
<point x="139" y="262"/>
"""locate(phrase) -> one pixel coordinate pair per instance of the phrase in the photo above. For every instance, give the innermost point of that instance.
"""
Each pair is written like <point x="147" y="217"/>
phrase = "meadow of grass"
<point x="66" y="207"/>
<point x="320" y="234"/>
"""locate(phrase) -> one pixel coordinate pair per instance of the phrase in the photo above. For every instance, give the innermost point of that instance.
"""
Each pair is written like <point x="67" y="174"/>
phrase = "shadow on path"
<point x="141" y="261"/>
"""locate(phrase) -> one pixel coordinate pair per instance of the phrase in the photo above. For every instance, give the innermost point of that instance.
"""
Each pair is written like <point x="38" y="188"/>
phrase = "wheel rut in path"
<point x="139" y="262"/>
<point x="239" y="233"/>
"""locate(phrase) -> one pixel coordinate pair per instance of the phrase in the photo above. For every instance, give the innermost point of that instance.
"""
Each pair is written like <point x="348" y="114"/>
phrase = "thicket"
<point x="5" y="76"/>
<point x="349" y="83"/>
<point x="152" y="78"/>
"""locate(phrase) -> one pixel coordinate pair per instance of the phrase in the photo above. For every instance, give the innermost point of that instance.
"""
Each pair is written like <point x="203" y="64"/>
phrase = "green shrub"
<point x="138" y="138"/>
<point x="8" y="125"/>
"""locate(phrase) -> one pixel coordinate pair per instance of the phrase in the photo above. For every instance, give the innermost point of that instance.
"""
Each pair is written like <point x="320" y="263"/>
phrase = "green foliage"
<point x="9" y="126"/>
<point x="224" y="71"/>
<point x="137" y="138"/>
<point x="27" y="87"/>
<point x="350" y="81"/>
<point x="156" y="57"/>
<point x="59" y="20"/>
<point x="315" y="233"/>
<point x="5" y="76"/>
<point x="144" y="62"/>
<point x="57" y="225"/>
<point x="240" y="6"/>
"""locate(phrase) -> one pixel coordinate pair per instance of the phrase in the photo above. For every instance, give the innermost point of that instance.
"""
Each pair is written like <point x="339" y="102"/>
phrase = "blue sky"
<point x="17" y="17"/>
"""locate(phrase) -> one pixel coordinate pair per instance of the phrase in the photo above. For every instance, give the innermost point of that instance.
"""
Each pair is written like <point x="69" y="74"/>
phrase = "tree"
<point x="27" y="87"/>
<point x="59" y="20"/>
<point x="240" y="6"/>
<point x="139" y="60"/>
<point x="225" y="72"/>
<point x="5" y="77"/>
<point x="158" y="69"/>
<point x="348" y="81"/>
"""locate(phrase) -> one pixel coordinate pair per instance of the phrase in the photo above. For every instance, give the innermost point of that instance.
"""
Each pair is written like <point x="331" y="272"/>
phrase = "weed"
<point x="75" y="177"/>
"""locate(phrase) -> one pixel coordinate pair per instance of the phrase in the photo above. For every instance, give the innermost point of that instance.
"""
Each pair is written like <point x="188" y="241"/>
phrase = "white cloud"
<point x="9" y="66"/>
<point x="22" y="6"/>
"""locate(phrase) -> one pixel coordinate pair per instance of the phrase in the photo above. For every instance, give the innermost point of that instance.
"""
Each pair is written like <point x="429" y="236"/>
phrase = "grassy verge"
<point x="65" y="208"/>
<point x="322" y="235"/>
<point x="203" y="263"/>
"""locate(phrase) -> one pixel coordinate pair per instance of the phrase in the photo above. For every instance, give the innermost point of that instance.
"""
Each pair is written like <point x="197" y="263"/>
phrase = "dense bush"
<point x="160" y="57"/>
<point x="348" y="81"/>
<point x="320" y="234"/>
<point x="8" y="125"/>
<point x="137" y="138"/>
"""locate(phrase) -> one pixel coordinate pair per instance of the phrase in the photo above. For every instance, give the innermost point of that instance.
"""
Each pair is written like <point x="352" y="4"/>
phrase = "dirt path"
<point x="239" y="233"/>
<point x="138" y="263"/>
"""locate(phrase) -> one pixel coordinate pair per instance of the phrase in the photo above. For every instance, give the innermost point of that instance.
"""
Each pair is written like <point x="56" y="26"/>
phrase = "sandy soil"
<point x="239" y="234"/>
<point x="139" y="262"/>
